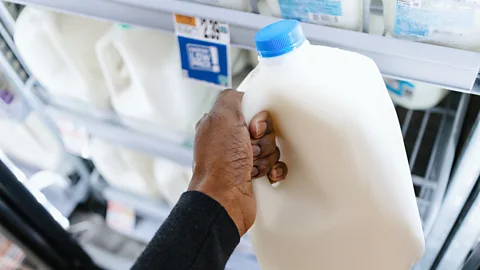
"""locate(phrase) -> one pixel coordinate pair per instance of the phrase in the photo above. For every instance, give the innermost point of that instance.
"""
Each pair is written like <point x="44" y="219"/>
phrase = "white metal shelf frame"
<point x="463" y="179"/>
<point x="446" y="67"/>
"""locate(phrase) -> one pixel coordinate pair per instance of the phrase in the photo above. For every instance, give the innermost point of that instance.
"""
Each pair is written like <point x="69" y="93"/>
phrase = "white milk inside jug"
<point x="348" y="200"/>
<point x="346" y="14"/>
<point x="143" y="73"/>
<point x="25" y="138"/>
<point x="444" y="22"/>
<point x="172" y="179"/>
<point x="59" y="50"/>
<point x="124" y="169"/>
<point x="414" y="95"/>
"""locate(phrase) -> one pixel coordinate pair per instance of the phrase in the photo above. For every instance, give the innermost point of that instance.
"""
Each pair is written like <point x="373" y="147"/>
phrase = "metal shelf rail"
<point x="430" y="140"/>
<point x="463" y="180"/>
<point x="446" y="67"/>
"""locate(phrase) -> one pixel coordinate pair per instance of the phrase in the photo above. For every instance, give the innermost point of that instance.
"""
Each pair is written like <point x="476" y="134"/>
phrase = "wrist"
<point x="213" y="188"/>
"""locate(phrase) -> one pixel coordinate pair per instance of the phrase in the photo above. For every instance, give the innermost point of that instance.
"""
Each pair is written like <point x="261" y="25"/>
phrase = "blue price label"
<point x="204" y="50"/>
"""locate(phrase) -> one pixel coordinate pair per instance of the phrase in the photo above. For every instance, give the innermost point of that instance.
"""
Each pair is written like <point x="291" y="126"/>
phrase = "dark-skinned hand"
<point x="228" y="154"/>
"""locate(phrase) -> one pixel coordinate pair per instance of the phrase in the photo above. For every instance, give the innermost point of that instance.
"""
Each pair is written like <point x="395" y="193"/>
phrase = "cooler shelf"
<point x="446" y="67"/>
<point x="430" y="140"/>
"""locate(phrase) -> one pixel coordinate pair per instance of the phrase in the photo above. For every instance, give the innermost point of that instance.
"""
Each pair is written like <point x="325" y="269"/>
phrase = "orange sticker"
<point x="185" y="19"/>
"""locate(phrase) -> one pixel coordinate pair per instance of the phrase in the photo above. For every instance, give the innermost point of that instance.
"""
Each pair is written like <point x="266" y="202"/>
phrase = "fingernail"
<point x="256" y="150"/>
<point x="261" y="127"/>
<point x="277" y="172"/>
<point x="254" y="171"/>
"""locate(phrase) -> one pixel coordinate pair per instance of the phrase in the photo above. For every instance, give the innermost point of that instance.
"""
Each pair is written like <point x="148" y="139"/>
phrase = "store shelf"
<point x="107" y="126"/>
<point x="446" y="67"/>
<point x="430" y="138"/>
<point x="463" y="180"/>
<point x="464" y="241"/>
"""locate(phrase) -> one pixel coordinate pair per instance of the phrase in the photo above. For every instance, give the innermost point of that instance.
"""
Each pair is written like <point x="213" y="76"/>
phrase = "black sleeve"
<point x="198" y="234"/>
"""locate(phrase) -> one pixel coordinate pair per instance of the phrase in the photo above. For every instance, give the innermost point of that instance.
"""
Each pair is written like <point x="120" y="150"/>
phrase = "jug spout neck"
<point x="284" y="57"/>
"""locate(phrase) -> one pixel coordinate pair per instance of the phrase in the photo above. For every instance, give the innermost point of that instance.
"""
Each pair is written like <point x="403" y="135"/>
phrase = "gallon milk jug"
<point x="25" y="138"/>
<point x="172" y="179"/>
<point x="348" y="200"/>
<point x="59" y="50"/>
<point x="444" y="22"/>
<point x="143" y="73"/>
<point x="346" y="14"/>
<point x="377" y="25"/>
<point x="124" y="169"/>
<point x="414" y="95"/>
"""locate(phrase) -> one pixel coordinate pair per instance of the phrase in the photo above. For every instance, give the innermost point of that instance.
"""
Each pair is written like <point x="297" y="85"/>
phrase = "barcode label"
<point x="322" y="18"/>
<point x="410" y="3"/>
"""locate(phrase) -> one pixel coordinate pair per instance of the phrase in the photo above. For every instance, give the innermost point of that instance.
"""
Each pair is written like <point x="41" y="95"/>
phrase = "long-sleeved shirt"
<point x="198" y="234"/>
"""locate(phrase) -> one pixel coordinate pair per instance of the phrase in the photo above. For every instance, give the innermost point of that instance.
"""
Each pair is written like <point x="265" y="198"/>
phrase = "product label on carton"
<point x="75" y="137"/>
<point x="327" y="12"/>
<point x="204" y="50"/>
<point x="11" y="256"/>
<point x="444" y="20"/>
<point x="120" y="217"/>
<point x="400" y="88"/>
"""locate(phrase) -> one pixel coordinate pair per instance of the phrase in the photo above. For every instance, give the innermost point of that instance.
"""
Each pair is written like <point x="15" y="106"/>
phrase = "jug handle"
<point x="106" y="54"/>
<point x="52" y="29"/>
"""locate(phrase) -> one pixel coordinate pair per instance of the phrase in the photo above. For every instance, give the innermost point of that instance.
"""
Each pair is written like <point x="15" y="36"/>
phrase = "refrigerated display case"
<point x="430" y="136"/>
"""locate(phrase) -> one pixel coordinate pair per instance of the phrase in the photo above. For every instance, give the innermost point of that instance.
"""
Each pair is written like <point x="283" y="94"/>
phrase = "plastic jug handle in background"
<point x="113" y="66"/>
<point x="51" y="27"/>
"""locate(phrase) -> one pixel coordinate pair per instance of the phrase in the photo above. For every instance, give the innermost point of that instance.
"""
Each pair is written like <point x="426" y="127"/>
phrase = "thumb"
<point x="229" y="103"/>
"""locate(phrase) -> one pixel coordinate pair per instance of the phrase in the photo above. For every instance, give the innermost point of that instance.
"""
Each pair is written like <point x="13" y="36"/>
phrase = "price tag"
<point x="120" y="217"/>
<point x="75" y="138"/>
<point x="11" y="256"/>
<point x="204" y="50"/>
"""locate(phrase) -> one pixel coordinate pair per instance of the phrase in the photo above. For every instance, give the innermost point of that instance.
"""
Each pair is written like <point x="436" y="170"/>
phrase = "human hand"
<point x="228" y="155"/>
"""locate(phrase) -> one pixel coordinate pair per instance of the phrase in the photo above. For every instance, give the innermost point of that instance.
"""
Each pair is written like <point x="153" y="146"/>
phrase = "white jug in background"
<point x="172" y="179"/>
<point x="348" y="199"/>
<point x="59" y="50"/>
<point x="124" y="169"/>
<point x="346" y="14"/>
<point x="377" y="25"/>
<point x="414" y="95"/>
<point x="143" y="73"/>
<point x="25" y="138"/>
<point x="443" y="22"/>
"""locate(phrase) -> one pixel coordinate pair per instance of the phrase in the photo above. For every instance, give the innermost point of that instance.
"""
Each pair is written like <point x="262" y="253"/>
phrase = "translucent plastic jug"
<point x="346" y="14"/>
<point x="348" y="200"/>
<point x="444" y="22"/>
<point x="143" y="73"/>
<point x="24" y="137"/>
<point x="377" y="25"/>
<point x="124" y="169"/>
<point x="172" y="179"/>
<point x="59" y="50"/>
<point x="415" y="95"/>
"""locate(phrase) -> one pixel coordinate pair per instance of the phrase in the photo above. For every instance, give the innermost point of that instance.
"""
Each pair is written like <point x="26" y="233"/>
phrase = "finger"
<point x="200" y="121"/>
<point x="261" y="124"/>
<point x="278" y="172"/>
<point x="264" y="146"/>
<point x="265" y="165"/>
<point x="229" y="104"/>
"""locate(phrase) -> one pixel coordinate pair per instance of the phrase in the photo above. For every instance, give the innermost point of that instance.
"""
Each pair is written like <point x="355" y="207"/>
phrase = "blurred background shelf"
<point x="445" y="67"/>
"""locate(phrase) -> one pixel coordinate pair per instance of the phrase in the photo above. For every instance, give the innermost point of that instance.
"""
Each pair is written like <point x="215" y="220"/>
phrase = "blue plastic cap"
<point x="279" y="38"/>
